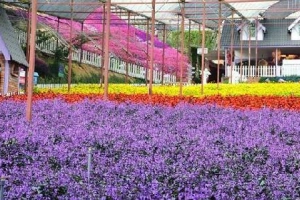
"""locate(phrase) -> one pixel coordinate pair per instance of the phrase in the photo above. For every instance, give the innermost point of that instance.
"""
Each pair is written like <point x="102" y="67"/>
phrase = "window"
<point x="252" y="30"/>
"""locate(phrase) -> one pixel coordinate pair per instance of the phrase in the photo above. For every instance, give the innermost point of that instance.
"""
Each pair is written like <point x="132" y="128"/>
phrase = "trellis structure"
<point x="163" y="14"/>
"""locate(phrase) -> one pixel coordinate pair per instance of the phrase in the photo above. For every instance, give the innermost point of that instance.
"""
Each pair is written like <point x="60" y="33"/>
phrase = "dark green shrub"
<point x="292" y="78"/>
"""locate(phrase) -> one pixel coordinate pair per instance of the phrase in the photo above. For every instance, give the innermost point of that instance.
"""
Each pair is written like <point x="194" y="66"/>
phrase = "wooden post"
<point x="203" y="46"/>
<point x="231" y="49"/>
<point x="70" y="49"/>
<point x="189" y="42"/>
<point x="102" y="46"/>
<point x="152" y="47"/>
<point x="147" y="52"/>
<point x="219" y="43"/>
<point x="163" y="55"/>
<point x="256" y="51"/>
<point x="106" y="48"/>
<point x="57" y="29"/>
<point x="182" y="49"/>
<point x="276" y="57"/>
<point x="127" y="48"/>
<point x="27" y="46"/>
<point x="249" y="49"/>
<point x="31" y="60"/>
<point x="81" y="43"/>
<point x="241" y="57"/>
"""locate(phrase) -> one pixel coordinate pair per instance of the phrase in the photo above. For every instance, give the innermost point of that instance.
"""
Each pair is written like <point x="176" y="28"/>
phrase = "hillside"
<point x="46" y="66"/>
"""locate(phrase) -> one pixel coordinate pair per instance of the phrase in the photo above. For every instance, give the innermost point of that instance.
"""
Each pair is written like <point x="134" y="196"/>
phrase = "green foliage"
<point x="59" y="59"/>
<point x="118" y="79"/>
<point x="43" y="36"/>
<point x="174" y="39"/>
<point x="93" y="78"/>
<point x="138" y="81"/>
<point x="79" y="40"/>
<point x="293" y="78"/>
<point x="24" y="1"/>
<point x="60" y="54"/>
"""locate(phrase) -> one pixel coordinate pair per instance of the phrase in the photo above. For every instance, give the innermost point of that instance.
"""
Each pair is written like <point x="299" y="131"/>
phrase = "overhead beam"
<point x="234" y="10"/>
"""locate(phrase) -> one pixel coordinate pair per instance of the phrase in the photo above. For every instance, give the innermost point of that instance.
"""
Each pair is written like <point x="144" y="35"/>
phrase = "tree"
<point x="174" y="39"/>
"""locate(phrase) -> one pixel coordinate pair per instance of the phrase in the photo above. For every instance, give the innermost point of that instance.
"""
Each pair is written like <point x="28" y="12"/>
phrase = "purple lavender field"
<point x="148" y="152"/>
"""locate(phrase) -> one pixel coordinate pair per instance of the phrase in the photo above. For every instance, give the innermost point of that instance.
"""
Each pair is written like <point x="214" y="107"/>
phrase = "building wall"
<point x="261" y="54"/>
<point x="13" y="77"/>
<point x="13" y="82"/>
<point x="245" y="31"/>
<point x="295" y="32"/>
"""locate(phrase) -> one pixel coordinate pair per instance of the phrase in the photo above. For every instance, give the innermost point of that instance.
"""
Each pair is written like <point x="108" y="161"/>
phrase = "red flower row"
<point x="241" y="102"/>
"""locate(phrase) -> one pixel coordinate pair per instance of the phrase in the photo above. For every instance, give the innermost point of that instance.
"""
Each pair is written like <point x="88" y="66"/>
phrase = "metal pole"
<point x="231" y="48"/>
<point x="106" y="48"/>
<point x="189" y="38"/>
<point x="57" y="29"/>
<point x="249" y="48"/>
<point x="152" y="47"/>
<point x="182" y="49"/>
<point x="28" y="32"/>
<point x="189" y="44"/>
<point x="70" y="49"/>
<point x="27" y="46"/>
<point x="203" y="46"/>
<point x="256" y="51"/>
<point x="102" y="46"/>
<point x="163" y="55"/>
<point x="177" y="47"/>
<point x="2" y="183"/>
<point x="219" y="44"/>
<point x="241" y="65"/>
<point x="127" y="47"/>
<point x="89" y="168"/>
<point x="276" y="57"/>
<point x="81" y="43"/>
<point x="147" y="59"/>
<point x="198" y="66"/>
<point x="31" y="59"/>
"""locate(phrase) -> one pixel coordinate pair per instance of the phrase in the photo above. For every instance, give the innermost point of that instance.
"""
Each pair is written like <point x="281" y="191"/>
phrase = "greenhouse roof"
<point x="168" y="11"/>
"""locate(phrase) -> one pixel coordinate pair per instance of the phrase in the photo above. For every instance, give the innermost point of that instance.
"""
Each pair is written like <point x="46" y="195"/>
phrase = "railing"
<point x="264" y="71"/>
<point x="116" y="65"/>
<point x="254" y="71"/>
<point x="290" y="67"/>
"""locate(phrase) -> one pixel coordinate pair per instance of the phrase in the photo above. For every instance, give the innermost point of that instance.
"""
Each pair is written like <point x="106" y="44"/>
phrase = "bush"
<point x="41" y="67"/>
<point x="292" y="78"/>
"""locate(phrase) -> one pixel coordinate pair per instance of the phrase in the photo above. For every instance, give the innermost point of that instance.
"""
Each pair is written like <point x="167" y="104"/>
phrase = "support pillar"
<point x="106" y="48"/>
<point x="152" y="47"/>
<point x="127" y="48"/>
<point x="147" y="53"/>
<point x="219" y="44"/>
<point x="70" y="49"/>
<point x="203" y="46"/>
<point x="102" y="47"/>
<point x="6" y="77"/>
<point x="182" y="49"/>
<point x="163" y="55"/>
<point x="31" y="60"/>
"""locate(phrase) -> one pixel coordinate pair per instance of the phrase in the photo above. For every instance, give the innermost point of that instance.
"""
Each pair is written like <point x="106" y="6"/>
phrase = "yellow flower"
<point x="260" y="89"/>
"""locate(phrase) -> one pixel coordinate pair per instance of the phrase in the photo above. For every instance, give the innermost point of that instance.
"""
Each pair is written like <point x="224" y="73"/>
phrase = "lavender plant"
<point x="148" y="152"/>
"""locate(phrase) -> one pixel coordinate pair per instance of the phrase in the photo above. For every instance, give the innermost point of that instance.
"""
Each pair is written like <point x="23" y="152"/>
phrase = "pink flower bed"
<point x="137" y="45"/>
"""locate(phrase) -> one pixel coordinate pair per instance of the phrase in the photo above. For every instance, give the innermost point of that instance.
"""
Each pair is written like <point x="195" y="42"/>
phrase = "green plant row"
<point x="292" y="78"/>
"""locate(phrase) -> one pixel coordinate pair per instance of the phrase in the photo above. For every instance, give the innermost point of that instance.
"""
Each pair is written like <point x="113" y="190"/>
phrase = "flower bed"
<point x="240" y="102"/>
<point x="148" y="152"/>
<point x="260" y="89"/>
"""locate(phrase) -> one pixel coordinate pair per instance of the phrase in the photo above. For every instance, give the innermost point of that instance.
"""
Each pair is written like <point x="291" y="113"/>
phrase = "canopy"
<point x="167" y="11"/>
